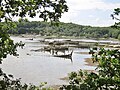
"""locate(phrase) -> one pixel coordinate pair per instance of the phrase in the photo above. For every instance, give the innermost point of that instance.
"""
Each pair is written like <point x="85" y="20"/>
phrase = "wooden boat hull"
<point x="65" y="56"/>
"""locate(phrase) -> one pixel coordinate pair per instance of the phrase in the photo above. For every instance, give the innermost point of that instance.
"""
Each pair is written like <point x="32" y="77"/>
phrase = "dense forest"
<point x="65" y="29"/>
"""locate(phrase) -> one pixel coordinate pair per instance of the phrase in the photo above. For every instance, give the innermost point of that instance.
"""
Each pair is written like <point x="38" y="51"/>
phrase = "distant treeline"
<point x="65" y="29"/>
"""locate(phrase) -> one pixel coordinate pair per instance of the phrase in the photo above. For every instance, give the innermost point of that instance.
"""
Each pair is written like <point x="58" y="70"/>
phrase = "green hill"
<point x="66" y="29"/>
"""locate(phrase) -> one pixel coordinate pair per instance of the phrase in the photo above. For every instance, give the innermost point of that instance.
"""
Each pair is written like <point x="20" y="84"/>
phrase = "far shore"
<point x="60" y="37"/>
<point x="83" y="41"/>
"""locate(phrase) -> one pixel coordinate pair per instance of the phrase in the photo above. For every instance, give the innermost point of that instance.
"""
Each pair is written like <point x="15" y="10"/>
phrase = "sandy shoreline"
<point x="89" y="62"/>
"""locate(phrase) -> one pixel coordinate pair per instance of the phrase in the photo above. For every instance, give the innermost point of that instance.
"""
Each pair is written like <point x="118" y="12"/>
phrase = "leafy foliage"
<point x="108" y="70"/>
<point x="7" y="45"/>
<point x="115" y="16"/>
<point x="46" y="9"/>
<point x="107" y="76"/>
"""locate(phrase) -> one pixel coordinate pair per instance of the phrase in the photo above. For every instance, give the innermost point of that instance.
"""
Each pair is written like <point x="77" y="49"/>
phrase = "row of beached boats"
<point x="63" y="46"/>
<point x="57" y="49"/>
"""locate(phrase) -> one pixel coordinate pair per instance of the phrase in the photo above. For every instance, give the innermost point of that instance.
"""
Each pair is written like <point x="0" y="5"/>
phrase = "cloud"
<point x="90" y="16"/>
<point x="90" y="12"/>
<point x="91" y="4"/>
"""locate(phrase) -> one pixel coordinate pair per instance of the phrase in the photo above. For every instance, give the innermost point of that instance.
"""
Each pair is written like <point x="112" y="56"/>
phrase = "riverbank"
<point x="61" y="37"/>
<point x="90" y="62"/>
<point x="44" y="67"/>
<point x="83" y="42"/>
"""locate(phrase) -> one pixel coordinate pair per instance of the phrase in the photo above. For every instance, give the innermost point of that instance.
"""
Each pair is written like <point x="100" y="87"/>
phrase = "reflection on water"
<point x="36" y="67"/>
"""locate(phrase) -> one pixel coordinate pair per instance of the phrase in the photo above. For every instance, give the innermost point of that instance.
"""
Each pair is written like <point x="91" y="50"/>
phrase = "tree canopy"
<point x="107" y="74"/>
<point x="65" y="29"/>
<point x="116" y="16"/>
<point x="48" y="10"/>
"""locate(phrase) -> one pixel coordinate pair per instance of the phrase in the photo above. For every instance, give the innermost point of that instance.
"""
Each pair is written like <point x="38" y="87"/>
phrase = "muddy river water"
<point x="35" y="67"/>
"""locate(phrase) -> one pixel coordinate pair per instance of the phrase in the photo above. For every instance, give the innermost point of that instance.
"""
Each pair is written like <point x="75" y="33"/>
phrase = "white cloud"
<point x="88" y="12"/>
<point x="90" y="16"/>
<point x="79" y="12"/>
<point x="90" y="4"/>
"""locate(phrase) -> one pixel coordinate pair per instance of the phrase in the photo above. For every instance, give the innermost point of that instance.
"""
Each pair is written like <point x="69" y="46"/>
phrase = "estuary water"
<point x="36" y="67"/>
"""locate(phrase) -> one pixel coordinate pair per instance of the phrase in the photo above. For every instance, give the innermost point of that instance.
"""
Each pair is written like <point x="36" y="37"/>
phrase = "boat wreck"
<point x="65" y="55"/>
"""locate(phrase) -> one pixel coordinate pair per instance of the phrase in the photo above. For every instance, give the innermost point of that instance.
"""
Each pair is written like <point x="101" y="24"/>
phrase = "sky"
<point x="90" y="12"/>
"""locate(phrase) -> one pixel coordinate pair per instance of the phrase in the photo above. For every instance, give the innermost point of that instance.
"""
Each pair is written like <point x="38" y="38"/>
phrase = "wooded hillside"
<point x="66" y="29"/>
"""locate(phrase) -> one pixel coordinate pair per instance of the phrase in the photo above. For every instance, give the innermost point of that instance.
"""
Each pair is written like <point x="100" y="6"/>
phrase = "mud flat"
<point x="90" y="62"/>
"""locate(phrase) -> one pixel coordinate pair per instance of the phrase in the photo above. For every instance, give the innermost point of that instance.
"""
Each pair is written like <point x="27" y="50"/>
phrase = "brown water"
<point x="36" y="67"/>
